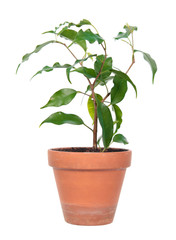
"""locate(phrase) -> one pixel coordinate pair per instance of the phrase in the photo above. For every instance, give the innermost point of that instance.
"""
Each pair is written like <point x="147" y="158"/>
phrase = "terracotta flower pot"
<point x="89" y="183"/>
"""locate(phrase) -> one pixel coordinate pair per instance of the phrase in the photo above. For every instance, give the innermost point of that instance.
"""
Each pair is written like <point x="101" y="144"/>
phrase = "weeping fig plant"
<point x="101" y="73"/>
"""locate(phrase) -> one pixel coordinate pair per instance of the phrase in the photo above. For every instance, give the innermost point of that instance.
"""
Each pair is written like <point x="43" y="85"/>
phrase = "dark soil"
<point x="86" y="149"/>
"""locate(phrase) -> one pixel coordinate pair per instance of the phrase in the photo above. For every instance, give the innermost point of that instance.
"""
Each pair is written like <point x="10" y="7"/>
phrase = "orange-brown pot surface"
<point x="89" y="183"/>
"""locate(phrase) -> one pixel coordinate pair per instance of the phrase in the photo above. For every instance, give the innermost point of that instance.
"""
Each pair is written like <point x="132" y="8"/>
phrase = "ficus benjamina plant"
<point x="102" y="73"/>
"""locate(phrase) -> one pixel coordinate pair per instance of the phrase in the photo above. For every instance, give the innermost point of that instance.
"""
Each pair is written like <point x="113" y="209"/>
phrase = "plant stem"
<point x="107" y="95"/>
<point x="88" y="127"/>
<point x="95" y="129"/>
<point x="93" y="96"/>
<point x="133" y="59"/>
<point x="84" y="93"/>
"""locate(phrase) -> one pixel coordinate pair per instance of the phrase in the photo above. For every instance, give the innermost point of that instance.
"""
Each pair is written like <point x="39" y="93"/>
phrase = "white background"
<point x="29" y="203"/>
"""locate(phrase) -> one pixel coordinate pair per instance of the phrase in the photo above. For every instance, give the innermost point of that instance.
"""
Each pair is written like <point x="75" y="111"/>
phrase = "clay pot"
<point x="89" y="183"/>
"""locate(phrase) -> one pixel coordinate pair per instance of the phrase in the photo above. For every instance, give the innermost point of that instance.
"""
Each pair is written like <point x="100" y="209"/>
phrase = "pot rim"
<point x="89" y="160"/>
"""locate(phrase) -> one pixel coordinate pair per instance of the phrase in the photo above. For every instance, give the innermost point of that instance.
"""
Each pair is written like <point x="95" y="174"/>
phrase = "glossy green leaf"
<point x="128" y="31"/>
<point x="49" y="69"/>
<point x="88" y="72"/>
<point x="90" y="105"/>
<point x="36" y="50"/>
<point x="71" y="35"/>
<point x="83" y="22"/>
<point x="104" y="81"/>
<point x="61" y="97"/>
<point x="60" y="118"/>
<point x="119" y="89"/>
<point x="51" y="31"/>
<point x="80" y="24"/>
<point x="89" y="36"/>
<point x="100" y="82"/>
<point x="118" y="115"/>
<point x="68" y="70"/>
<point x="106" y="122"/>
<point x="126" y="78"/>
<point x="64" y="25"/>
<point x="151" y="62"/>
<point x="105" y="72"/>
<point x="120" y="139"/>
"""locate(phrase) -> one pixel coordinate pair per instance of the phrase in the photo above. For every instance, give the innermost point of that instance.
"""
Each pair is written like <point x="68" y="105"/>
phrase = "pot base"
<point x="88" y="216"/>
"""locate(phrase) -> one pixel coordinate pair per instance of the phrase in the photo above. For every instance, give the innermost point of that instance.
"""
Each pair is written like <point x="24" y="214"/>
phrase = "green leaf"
<point x="126" y="78"/>
<point x="119" y="90"/>
<point x="106" y="122"/>
<point x="61" y="97"/>
<point x="36" y="50"/>
<point x="104" y="81"/>
<point x="51" y="31"/>
<point x="88" y="72"/>
<point x="151" y="62"/>
<point x="80" y="24"/>
<point x="90" y="105"/>
<point x="120" y="139"/>
<point x="71" y="35"/>
<point x="83" y="22"/>
<point x="105" y="72"/>
<point x="128" y="29"/>
<point x="49" y="69"/>
<point x="60" y="118"/>
<point x="118" y="114"/>
<point x="68" y="70"/>
<point x="89" y="36"/>
<point x="56" y="28"/>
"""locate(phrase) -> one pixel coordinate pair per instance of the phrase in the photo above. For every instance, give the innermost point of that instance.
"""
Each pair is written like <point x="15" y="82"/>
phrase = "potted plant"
<point x="89" y="179"/>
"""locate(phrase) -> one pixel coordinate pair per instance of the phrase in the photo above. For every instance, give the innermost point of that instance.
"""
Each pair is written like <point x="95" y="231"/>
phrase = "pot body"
<point x="89" y="184"/>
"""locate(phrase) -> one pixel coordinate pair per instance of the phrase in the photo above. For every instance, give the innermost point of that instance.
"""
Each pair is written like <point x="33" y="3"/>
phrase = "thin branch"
<point x="104" y="47"/>
<point x="126" y="42"/>
<point x="133" y="61"/>
<point x="107" y="95"/>
<point x="84" y="93"/>
<point x="88" y="127"/>
<point x="74" y="57"/>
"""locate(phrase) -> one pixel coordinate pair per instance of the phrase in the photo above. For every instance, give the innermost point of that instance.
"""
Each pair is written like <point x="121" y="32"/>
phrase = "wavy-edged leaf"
<point x="62" y="97"/>
<point x="68" y="70"/>
<point x="120" y="139"/>
<point x="119" y="89"/>
<point x="87" y="72"/>
<point x="104" y="81"/>
<point x="106" y="122"/>
<point x="100" y="82"/>
<point x="83" y="22"/>
<point x="151" y="62"/>
<point x="60" y="118"/>
<point x="105" y="72"/>
<point x="118" y="115"/>
<point x="56" y="28"/>
<point x="36" y="50"/>
<point x="49" y="69"/>
<point x="50" y="31"/>
<point x="128" y="31"/>
<point x="89" y="36"/>
<point x="126" y="78"/>
<point x="80" y="24"/>
<point x="90" y="105"/>
<point x="70" y="34"/>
